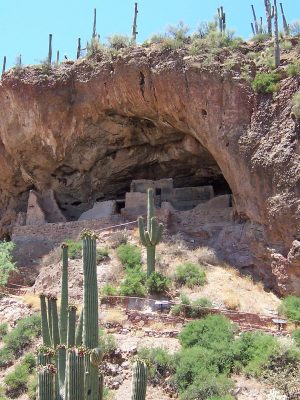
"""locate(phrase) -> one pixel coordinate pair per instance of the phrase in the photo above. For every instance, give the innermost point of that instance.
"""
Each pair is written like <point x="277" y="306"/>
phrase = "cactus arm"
<point x="141" y="226"/>
<point x="75" y="375"/>
<point x="61" y="364"/>
<point x="90" y="312"/>
<point x="55" y="328"/>
<point x="45" y="325"/>
<point x="45" y="384"/>
<point x="159" y="233"/>
<point x="150" y="208"/>
<point x="148" y="240"/>
<point x="50" y="317"/>
<point x="71" y="325"/>
<point x="78" y="336"/>
<point x="64" y="295"/>
<point x="139" y="381"/>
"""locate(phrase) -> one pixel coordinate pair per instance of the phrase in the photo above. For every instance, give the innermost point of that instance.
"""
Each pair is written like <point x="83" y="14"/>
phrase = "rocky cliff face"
<point x="86" y="129"/>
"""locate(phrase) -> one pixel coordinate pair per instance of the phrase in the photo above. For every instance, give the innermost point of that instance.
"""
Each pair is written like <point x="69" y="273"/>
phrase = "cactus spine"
<point x="139" y="381"/>
<point x="152" y="236"/>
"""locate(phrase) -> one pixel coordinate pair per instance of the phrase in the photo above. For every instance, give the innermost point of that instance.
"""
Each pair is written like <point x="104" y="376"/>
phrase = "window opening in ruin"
<point x="119" y="205"/>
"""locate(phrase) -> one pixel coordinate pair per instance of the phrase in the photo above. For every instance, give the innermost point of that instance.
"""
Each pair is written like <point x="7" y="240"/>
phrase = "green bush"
<point x="107" y="342"/>
<point x="6" y="357"/>
<point x="7" y="265"/>
<point x="101" y="254"/>
<point x="134" y="283"/>
<point x="196" y="309"/>
<point x="293" y="69"/>
<point x="158" y="360"/>
<point x="260" y="37"/>
<point x="75" y="249"/>
<point x="108" y="290"/>
<point x="129" y="255"/>
<point x="290" y="305"/>
<point x="206" y="386"/>
<point x="30" y="361"/>
<point x="16" y="381"/>
<point x="118" y="42"/>
<point x="157" y="283"/>
<point x="190" y="274"/>
<point x="296" y="105"/>
<point x="266" y="82"/>
<point x="25" y="332"/>
<point x="253" y="351"/>
<point x="212" y="330"/>
<point x="296" y="336"/>
<point x="3" y="330"/>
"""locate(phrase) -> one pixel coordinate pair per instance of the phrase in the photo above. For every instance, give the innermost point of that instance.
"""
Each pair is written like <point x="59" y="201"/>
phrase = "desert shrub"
<point x="282" y="373"/>
<point x="108" y="290"/>
<point x="232" y="301"/>
<point x="260" y="37"/>
<point x="158" y="360"/>
<point x="129" y="255"/>
<point x="178" y="32"/>
<point x="6" y="357"/>
<point x="118" y="42"/>
<point x="296" y="336"/>
<point x="74" y="248"/>
<point x="290" y="305"/>
<point x="101" y="254"/>
<point x="176" y="310"/>
<point x="207" y="255"/>
<point x="286" y="45"/>
<point x="3" y="330"/>
<point x="254" y="350"/>
<point x="134" y="283"/>
<point x="266" y="82"/>
<point x="2" y="393"/>
<point x="207" y="332"/>
<point x="16" y="381"/>
<point x="29" y="360"/>
<point x="206" y="386"/>
<point x="32" y="387"/>
<point x="25" y="332"/>
<point x="107" y="342"/>
<point x="295" y="28"/>
<point x="157" y="283"/>
<point x="190" y="274"/>
<point x="7" y="265"/>
<point x="117" y="238"/>
<point x="196" y="308"/>
<point x="226" y="397"/>
<point x="296" y="112"/>
<point x="293" y="69"/>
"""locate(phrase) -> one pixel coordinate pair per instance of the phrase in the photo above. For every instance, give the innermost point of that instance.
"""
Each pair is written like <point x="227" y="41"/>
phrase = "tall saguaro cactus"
<point x="152" y="236"/>
<point x="222" y="19"/>
<point x="66" y="369"/>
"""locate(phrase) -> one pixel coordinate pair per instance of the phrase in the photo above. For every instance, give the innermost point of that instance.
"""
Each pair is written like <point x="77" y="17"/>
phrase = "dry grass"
<point x="117" y="238"/>
<point x="232" y="301"/>
<point x="32" y="300"/>
<point x="114" y="316"/>
<point x="206" y="255"/>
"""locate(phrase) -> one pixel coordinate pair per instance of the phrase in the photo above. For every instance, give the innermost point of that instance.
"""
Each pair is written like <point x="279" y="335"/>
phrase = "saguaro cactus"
<point x="90" y="312"/>
<point x="222" y="19"/>
<point x="139" y="381"/>
<point x="46" y="378"/>
<point x="152" y="236"/>
<point x="64" y="295"/>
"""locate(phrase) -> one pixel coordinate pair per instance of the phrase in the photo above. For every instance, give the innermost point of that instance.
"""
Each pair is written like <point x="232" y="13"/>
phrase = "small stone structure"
<point x="180" y="199"/>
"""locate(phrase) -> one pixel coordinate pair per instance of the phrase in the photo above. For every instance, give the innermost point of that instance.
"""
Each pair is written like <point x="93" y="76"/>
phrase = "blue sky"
<point x="26" y="24"/>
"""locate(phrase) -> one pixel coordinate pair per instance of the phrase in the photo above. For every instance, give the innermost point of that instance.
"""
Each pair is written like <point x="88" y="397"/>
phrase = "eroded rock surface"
<point x="90" y="127"/>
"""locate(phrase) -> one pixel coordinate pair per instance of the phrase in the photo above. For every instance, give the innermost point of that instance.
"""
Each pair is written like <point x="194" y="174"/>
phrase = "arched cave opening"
<point x="134" y="149"/>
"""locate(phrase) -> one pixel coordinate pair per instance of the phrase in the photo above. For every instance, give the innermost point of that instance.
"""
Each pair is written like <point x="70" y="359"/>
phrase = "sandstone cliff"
<point x="87" y="128"/>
